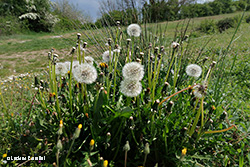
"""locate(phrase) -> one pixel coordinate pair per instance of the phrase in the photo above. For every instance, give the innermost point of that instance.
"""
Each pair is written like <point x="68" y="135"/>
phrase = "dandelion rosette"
<point x="85" y="73"/>
<point x="193" y="70"/>
<point x="61" y="69"/>
<point x="107" y="55"/>
<point x="130" y="88"/>
<point x="134" y="30"/>
<point x="133" y="71"/>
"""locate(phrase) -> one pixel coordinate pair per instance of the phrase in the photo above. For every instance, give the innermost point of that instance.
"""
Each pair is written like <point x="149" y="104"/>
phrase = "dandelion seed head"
<point x="130" y="88"/>
<point x="85" y="73"/>
<point x="193" y="70"/>
<point x="106" y="56"/>
<point x="133" y="71"/>
<point x="89" y="60"/>
<point x="134" y="30"/>
<point x="199" y="91"/>
<point x="61" y="69"/>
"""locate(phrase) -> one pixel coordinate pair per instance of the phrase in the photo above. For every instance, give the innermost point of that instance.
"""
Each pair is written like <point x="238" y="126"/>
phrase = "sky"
<point x="91" y="7"/>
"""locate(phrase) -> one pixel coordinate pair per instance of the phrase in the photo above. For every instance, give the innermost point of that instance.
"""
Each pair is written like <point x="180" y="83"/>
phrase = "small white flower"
<point x="89" y="60"/>
<point x="61" y="69"/>
<point x="134" y="30"/>
<point x="85" y="73"/>
<point x="130" y="88"/>
<point x="133" y="71"/>
<point x="106" y="56"/>
<point x="193" y="70"/>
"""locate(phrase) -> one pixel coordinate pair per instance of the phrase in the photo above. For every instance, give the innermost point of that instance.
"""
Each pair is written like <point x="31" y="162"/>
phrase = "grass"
<point x="37" y="45"/>
<point x="184" y="124"/>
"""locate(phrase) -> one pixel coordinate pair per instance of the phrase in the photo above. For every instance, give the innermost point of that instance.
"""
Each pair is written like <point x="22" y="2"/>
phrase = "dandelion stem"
<point x="190" y="87"/>
<point x="145" y="159"/>
<point x="223" y="130"/>
<point x="69" y="152"/>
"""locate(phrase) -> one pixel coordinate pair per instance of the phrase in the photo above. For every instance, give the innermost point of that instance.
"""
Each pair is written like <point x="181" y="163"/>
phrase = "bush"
<point x="248" y="19"/>
<point x="227" y="23"/>
<point x="208" y="26"/>
<point x="9" y="25"/>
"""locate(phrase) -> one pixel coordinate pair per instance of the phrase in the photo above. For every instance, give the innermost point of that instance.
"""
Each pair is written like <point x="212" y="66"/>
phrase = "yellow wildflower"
<point x="4" y="155"/>
<point x="105" y="163"/>
<point x="184" y="151"/>
<point x="213" y="107"/>
<point x="80" y="126"/>
<point x="92" y="142"/>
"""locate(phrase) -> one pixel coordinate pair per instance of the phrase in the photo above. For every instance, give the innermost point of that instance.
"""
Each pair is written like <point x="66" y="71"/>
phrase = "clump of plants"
<point x="147" y="102"/>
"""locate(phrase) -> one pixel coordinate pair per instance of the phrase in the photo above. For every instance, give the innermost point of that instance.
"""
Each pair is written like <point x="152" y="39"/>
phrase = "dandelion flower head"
<point x="107" y="55"/>
<point x="133" y="71"/>
<point x="193" y="70"/>
<point x="85" y="73"/>
<point x="134" y="30"/>
<point x="130" y="88"/>
<point x="61" y="69"/>
<point x="175" y="45"/>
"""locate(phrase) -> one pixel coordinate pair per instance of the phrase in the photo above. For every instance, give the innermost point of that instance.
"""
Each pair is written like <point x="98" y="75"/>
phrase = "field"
<point x="211" y="130"/>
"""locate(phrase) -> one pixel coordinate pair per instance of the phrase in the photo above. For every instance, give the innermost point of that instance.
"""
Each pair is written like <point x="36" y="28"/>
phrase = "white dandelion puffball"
<point x="67" y="64"/>
<point x="85" y="73"/>
<point x="106" y="54"/>
<point x="193" y="70"/>
<point x="198" y="91"/>
<point x="133" y="71"/>
<point x="89" y="60"/>
<point x="130" y="88"/>
<point x="61" y="69"/>
<point x="134" y="30"/>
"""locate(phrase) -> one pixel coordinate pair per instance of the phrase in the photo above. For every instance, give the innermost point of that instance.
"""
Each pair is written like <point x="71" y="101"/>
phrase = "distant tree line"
<point x="130" y="11"/>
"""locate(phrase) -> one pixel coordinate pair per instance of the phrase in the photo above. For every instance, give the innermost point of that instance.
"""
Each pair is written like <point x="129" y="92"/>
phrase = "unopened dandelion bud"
<point x="150" y="45"/>
<point x="126" y="146"/>
<point x="175" y="45"/>
<point x="91" y="144"/>
<point x="162" y="49"/>
<point x="146" y="149"/>
<point x="59" y="145"/>
<point x="105" y="163"/>
<point x="131" y="118"/>
<point x="138" y="60"/>
<point x="109" y="41"/>
<point x="84" y="44"/>
<point x="156" y="49"/>
<point x="159" y="56"/>
<point x="54" y="164"/>
<point x="73" y="50"/>
<point x="212" y="64"/>
<point x="184" y="151"/>
<point x="128" y="41"/>
<point x="49" y="55"/>
<point x="78" y="35"/>
<point x="118" y="23"/>
<point x="101" y="158"/>
<point x="77" y="132"/>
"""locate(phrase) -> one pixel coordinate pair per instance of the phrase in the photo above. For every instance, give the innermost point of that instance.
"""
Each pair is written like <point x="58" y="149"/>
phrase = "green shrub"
<point x="9" y="25"/>
<point x="248" y="19"/>
<point x="227" y="23"/>
<point x="208" y="26"/>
